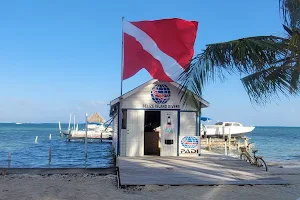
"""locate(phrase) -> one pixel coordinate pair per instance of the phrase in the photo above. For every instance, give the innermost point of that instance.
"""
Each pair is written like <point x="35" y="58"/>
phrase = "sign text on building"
<point x="161" y="106"/>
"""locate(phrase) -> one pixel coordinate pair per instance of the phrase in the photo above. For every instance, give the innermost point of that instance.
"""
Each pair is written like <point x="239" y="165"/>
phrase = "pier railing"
<point x="227" y="146"/>
<point x="49" y="156"/>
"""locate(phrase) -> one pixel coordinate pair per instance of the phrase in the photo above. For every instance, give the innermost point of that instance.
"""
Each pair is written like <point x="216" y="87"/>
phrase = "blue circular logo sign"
<point x="189" y="142"/>
<point x="160" y="94"/>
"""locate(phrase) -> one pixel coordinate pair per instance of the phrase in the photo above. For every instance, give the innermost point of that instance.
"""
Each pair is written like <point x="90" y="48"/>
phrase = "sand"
<point x="89" y="186"/>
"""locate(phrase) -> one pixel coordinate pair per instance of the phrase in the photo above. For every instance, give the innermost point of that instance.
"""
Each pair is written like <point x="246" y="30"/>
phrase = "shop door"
<point x="135" y="133"/>
<point x="169" y="133"/>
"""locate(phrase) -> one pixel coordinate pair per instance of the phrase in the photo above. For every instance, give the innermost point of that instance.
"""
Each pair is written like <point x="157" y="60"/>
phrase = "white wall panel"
<point x="188" y="123"/>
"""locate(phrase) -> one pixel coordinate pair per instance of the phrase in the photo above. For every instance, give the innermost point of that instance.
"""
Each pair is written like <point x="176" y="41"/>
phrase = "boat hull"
<point x="91" y="134"/>
<point x="234" y="131"/>
<point x="65" y="132"/>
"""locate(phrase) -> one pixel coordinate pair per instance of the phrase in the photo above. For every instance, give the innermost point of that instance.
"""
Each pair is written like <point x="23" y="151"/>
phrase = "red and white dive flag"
<point x="163" y="47"/>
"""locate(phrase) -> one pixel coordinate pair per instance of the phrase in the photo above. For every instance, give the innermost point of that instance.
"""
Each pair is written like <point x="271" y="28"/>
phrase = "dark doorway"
<point x="152" y="133"/>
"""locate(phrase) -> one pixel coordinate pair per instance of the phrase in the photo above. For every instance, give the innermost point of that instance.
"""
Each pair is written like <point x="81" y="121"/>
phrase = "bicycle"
<point x="255" y="160"/>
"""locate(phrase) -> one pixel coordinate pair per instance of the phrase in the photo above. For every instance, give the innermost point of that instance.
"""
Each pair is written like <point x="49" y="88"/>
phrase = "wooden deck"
<point x="208" y="169"/>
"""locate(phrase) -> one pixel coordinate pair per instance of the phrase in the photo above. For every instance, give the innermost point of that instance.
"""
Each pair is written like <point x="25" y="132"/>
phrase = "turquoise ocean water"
<point x="19" y="140"/>
<point x="276" y="144"/>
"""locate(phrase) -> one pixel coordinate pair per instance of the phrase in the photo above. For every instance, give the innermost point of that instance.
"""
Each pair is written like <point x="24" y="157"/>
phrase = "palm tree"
<point x="269" y="65"/>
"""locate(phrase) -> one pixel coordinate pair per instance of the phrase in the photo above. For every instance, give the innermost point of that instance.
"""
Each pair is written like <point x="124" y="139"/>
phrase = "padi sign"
<point x="189" y="145"/>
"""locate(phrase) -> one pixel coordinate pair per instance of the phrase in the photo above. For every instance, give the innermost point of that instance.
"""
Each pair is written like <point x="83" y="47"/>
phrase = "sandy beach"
<point x="92" y="186"/>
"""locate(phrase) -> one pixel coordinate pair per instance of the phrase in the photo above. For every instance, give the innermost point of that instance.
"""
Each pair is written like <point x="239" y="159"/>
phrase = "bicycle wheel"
<point x="261" y="163"/>
<point x="245" y="157"/>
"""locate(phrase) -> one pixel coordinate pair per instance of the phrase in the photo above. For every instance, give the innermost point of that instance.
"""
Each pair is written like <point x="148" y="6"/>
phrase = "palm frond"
<point x="270" y="64"/>
<point x="290" y="10"/>
<point x="242" y="56"/>
<point x="246" y="55"/>
<point x="265" y="85"/>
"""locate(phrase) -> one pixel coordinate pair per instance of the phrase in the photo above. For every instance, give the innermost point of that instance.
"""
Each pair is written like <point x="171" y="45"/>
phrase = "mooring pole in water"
<point x="74" y="123"/>
<point x="50" y="155"/>
<point x="36" y="139"/>
<point x="50" y="136"/>
<point x="69" y="127"/>
<point x="86" y="129"/>
<point x="59" y="128"/>
<point x="8" y="159"/>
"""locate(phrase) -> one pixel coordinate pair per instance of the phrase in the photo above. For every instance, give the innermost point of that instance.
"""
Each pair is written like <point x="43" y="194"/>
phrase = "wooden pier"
<point x="229" y="143"/>
<point x="89" y="138"/>
<point x="207" y="169"/>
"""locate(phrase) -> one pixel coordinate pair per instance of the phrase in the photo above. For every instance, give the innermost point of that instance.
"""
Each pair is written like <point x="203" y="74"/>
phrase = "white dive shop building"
<point x="155" y="122"/>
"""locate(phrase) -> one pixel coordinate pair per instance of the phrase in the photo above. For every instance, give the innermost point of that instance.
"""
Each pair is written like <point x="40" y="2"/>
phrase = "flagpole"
<point x="120" y="101"/>
<point x="122" y="59"/>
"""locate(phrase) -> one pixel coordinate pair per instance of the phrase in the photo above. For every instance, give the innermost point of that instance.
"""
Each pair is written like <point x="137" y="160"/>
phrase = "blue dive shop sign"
<point x="189" y="144"/>
<point x="160" y="95"/>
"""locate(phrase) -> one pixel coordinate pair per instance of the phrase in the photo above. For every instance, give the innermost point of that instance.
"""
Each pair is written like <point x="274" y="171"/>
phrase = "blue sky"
<point x="61" y="57"/>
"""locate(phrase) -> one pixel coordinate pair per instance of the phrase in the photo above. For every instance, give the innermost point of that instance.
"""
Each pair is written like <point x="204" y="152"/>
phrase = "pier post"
<point x="8" y="159"/>
<point x="223" y="130"/>
<point x="50" y="155"/>
<point x="3" y="171"/>
<point x="69" y="127"/>
<point x="246" y="142"/>
<point x="36" y="139"/>
<point x="74" y="123"/>
<point x="86" y="129"/>
<point x="229" y="135"/>
<point x="209" y="144"/>
<point x="225" y="147"/>
<point x="59" y="127"/>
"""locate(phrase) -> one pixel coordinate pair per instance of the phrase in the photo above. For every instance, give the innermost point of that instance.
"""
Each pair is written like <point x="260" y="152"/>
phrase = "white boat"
<point x="19" y="123"/>
<point x="226" y="128"/>
<point x="94" y="131"/>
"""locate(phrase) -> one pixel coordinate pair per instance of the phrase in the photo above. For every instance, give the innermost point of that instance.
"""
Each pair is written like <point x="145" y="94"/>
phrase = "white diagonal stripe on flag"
<point x="171" y="67"/>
